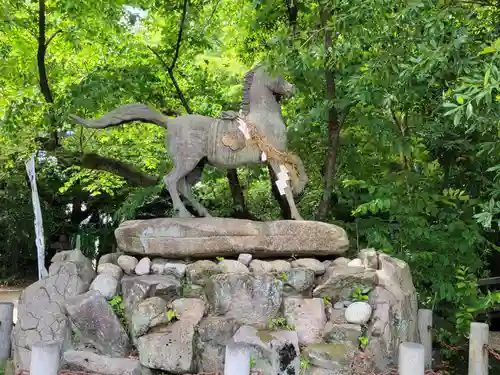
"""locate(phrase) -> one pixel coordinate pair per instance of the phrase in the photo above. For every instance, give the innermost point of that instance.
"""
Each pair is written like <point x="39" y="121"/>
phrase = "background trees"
<point x="397" y="120"/>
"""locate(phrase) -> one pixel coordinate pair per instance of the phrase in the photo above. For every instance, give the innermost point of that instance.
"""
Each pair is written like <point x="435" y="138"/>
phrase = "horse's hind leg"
<point x="172" y="180"/>
<point x="185" y="190"/>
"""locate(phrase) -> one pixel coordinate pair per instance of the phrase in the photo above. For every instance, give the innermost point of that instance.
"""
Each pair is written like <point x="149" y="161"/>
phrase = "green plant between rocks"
<point x="360" y="294"/>
<point x="280" y="323"/>
<point x="304" y="365"/>
<point x="363" y="342"/>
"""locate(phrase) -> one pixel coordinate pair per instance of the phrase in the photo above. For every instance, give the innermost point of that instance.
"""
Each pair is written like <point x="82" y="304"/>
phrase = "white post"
<point x="478" y="354"/>
<point x="411" y="359"/>
<point x="6" y="320"/>
<point x="237" y="360"/>
<point x="40" y="241"/>
<point x="425" y="334"/>
<point x="45" y="358"/>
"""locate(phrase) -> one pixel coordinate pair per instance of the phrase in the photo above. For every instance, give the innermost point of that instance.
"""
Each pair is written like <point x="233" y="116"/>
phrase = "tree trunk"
<point x="286" y="213"/>
<point x="334" y="125"/>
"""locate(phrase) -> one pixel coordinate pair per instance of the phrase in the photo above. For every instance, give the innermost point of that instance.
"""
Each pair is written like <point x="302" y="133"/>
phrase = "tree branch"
<point x="179" y="35"/>
<point x="52" y="37"/>
<point x="131" y="174"/>
<point x="42" y="48"/>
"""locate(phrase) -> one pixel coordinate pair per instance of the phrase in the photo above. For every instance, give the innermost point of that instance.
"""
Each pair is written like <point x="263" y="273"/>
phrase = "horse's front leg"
<point x="284" y="185"/>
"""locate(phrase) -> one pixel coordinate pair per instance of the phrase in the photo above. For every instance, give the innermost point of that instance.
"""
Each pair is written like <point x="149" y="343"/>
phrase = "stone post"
<point x="237" y="360"/>
<point x="425" y="334"/>
<point x="478" y="354"/>
<point x="6" y="320"/>
<point x="45" y="358"/>
<point x="411" y="359"/>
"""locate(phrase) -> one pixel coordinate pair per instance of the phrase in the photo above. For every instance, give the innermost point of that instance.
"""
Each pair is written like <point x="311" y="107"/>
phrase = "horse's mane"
<point x="247" y="83"/>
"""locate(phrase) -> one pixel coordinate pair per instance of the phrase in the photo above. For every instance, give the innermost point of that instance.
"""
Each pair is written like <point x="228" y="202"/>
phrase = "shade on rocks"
<point x="213" y="237"/>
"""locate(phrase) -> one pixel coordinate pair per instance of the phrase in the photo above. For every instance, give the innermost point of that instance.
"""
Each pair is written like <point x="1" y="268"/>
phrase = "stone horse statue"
<point x="255" y="135"/>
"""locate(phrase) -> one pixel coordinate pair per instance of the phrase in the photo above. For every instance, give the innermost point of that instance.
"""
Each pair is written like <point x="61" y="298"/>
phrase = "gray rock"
<point x="343" y="281"/>
<point x="84" y="266"/>
<point x="143" y="267"/>
<point x="280" y="266"/>
<point x="110" y="269"/>
<point x="213" y="334"/>
<point x="106" y="285"/>
<point x="326" y="263"/>
<point x="110" y="258"/>
<point x="249" y="299"/>
<point x="358" y="313"/>
<point x="148" y="314"/>
<point x="274" y="352"/>
<point x="339" y="333"/>
<point x="336" y="316"/>
<point x="91" y="362"/>
<point x="245" y="258"/>
<point x="193" y="291"/>
<point x="190" y="310"/>
<point x="308" y="317"/>
<point x="170" y="350"/>
<point x="97" y="324"/>
<point x="200" y="271"/>
<point x="40" y="313"/>
<point x="260" y="267"/>
<point x="337" y="357"/>
<point x="347" y="303"/>
<point x="231" y="266"/>
<point x="338" y="305"/>
<point x="211" y="237"/>
<point x="340" y="261"/>
<point x="311" y="264"/>
<point x="158" y="266"/>
<point x="175" y="269"/>
<point x="369" y="258"/>
<point x="297" y="282"/>
<point x="355" y="263"/>
<point x="74" y="256"/>
<point x="127" y="263"/>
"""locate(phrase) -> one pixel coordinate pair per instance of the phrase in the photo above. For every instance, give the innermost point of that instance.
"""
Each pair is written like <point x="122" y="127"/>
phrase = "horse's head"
<point x="278" y="85"/>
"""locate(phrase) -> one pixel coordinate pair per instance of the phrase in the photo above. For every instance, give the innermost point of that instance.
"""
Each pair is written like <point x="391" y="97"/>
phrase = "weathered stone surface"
<point x="84" y="266"/>
<point x="147" y="314"/>
<point x="193" y="291"/>
<point x="358" y="313"/>
<point x="355" y="263"/>
<point x="311" y="264"/>
<point x="336" y="316"/>
<point x="343" y="281"/>
<point x="336" y="357"/>
<point x="212" y="237"/>
<point x="308" y="317"/>
<point x="175" y="269"/>
<point x="369" y="258"/>
<point x="106" y="285"/>
<point x="137" y="288"/>
<point x="143" y="267"/>
<point x="245" y="258"/>
<point x="40" y="315"/>
<point x="260" y="267"/>
<point x="127" y="263"/>
<point x="170" y="350"/>
<point x="190" y="309"/>
<point x="394" y="316"/>
<point x="231" y="266"/>
<point x="340" y="261"/>
<point x="298" y="282"/>
<point x="249" y="299"/>
<point x="274" y="352"/>
<point x="279" y="266"/>
<point x="213" y="334"/>
<point x="339" y="333"/>
<point x="110" y="258"/>
<point x="110" y="269"/>
<point x="200" y="271"/>
<point x="97" y="324"/>
<point x="91" y="362"/>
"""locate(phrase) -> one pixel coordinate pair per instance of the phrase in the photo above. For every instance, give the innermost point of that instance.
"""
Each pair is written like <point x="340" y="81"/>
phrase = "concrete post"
<point x="411" y="359"/>
<point x="6" y="321"/>
<point x="478" y="354"/>
<point x="237" y="360"/>
<point x="45" y="358"/>
<point x="425" y="334"/>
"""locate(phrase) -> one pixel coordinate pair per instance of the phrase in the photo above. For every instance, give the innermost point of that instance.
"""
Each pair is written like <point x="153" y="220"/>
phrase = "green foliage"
<point x="116" y="304"/>
<point x="304" y="365"/>
<point x="363" y="341"/>
<point x="360" y="294"/>
<point x="279" y="323"/>
<point x="172" y="315"/>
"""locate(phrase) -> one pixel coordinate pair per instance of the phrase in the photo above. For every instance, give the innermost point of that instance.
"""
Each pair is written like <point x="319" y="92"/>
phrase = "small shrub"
<point x="280" y="323"/>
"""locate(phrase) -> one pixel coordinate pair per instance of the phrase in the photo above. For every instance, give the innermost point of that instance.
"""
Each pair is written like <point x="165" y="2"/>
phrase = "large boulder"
<point x="88" y="361"/>
<point x="40" y="312"/>
<point x="212" y="237"/>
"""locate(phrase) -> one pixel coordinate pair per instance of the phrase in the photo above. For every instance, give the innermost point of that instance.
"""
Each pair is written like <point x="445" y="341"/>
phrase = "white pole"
<point x="45" y="358"/>
<point x="6" y="320"/>
<point x="237" y="360"/>
<point x="40" y="241"/>
<point x="478" y="354"/>
<point x="411" y="359"/>
<point x="425" y="333"/>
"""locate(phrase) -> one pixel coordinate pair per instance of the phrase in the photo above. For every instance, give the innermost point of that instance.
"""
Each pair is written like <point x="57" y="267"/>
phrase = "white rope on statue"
<point x="40" y="241"/>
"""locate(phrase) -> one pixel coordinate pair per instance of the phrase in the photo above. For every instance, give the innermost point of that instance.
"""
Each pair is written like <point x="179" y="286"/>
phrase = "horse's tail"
<point x="124" y="114"/>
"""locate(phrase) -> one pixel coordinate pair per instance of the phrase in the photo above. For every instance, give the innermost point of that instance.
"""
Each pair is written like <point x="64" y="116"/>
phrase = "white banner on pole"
<point x="40" y="241"/>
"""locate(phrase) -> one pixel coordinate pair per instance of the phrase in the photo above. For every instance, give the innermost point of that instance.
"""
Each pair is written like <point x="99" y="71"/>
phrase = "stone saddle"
<point x="222" y="237"/>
